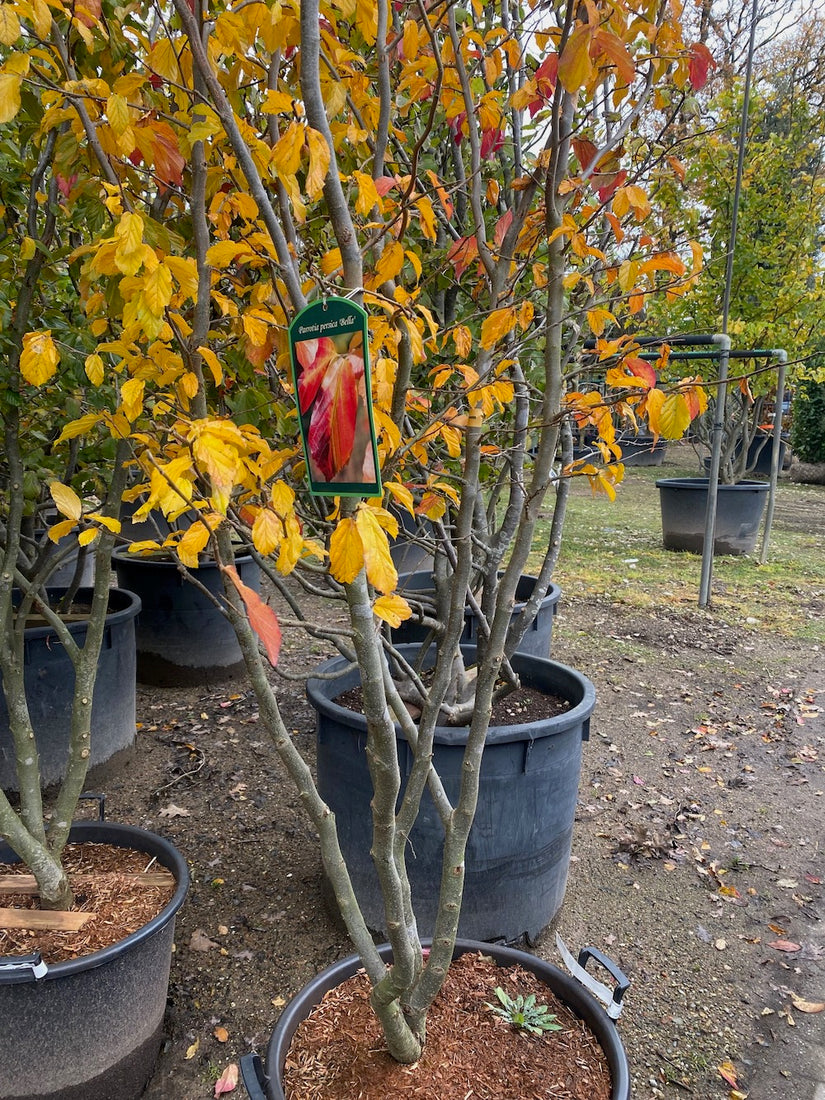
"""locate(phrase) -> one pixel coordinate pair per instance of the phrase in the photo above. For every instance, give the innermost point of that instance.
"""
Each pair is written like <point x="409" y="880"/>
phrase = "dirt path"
<point x="698" y="854"/>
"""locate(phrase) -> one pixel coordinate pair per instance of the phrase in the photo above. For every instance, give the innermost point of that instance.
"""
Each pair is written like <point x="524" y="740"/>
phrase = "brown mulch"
<point x="470" y="1053"/>
<point x="103" y="885"/>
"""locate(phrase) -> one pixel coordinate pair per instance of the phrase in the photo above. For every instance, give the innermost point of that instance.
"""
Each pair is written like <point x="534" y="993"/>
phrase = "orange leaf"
<point x="263" y="621"/>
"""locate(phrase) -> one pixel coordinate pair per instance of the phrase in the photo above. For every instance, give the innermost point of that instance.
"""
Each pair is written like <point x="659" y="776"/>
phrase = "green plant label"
<point x="329" y="351"/>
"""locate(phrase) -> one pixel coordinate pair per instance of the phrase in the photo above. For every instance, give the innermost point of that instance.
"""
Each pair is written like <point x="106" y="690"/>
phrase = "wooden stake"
<point x="26" y="884"/>
<point x="47" y="920"/>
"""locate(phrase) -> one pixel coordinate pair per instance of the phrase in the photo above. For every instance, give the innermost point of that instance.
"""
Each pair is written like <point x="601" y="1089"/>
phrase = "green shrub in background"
<point x="808" y="423"/>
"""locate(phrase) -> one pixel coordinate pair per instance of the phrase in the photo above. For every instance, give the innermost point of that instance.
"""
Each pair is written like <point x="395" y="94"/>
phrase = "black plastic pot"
<point x="90" y="1029"/>
<point x="642" y="450"/>
<point x="536" y="641"/>
<point x="739" y="510"/>
<point x="182" y="637"/>
<point x="49" y="678"/>
<point x="263" y="1081"/>
<point x="518" y="852"/>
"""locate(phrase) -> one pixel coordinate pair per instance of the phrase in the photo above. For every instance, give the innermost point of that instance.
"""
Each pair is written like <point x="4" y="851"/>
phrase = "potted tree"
<point x="58" y="720"/>
<point x="279" y="188"/>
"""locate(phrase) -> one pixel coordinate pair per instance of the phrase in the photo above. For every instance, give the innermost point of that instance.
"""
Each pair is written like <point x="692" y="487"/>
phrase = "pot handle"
<point x="100" y="799"/>
<point x="254" y="1078"/>
<point x="610" y="998"/>
<point x="22" y="968"/>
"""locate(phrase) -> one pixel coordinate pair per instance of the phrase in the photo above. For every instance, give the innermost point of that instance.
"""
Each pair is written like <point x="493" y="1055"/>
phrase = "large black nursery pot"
<point x="182" y="637"/>
<point x="264" y="1081"/>
<point x="642" y="450"/>
<point x="519" y="847"/>
<point x="90" y="1028"/>
<point x="537" y="638"/>
<point x="49" y="679"/>
<point x="739" y="510"/>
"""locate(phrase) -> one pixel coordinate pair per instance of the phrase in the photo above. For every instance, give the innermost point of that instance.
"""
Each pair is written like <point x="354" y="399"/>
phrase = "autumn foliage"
<point x="477" y="178"/>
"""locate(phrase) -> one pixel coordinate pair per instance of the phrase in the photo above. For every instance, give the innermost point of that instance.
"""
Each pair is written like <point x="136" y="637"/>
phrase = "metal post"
<point x="782" y="358"/>
<point x="713" y="473"/>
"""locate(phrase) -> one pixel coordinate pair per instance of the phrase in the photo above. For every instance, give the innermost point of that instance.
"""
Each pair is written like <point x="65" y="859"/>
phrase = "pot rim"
<point x="702" y="483"/>
<point x="122" y="836"/>
<point x="114" y="617"/>
<point x="321" y="691"/>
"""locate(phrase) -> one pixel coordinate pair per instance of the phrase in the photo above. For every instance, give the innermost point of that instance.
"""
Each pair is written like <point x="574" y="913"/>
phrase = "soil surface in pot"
<point x="521" y="706"/>
<point x="470" y="1052"/>
<point x="698" y="862"/>
<point x="108" y="881"/>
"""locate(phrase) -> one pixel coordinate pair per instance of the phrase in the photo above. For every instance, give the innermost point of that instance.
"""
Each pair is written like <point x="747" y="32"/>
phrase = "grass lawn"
<point x="614" y="548"/>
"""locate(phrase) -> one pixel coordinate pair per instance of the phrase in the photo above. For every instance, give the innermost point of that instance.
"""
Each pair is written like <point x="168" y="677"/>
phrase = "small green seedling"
<point x="524" y="1013"/>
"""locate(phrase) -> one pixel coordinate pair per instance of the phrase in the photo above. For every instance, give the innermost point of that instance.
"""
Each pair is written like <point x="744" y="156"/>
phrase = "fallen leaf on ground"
<point x="784" y="945"/>
<point x="199" y="941"/>
<point x="192" y="1050"/>
<point x="221" y="1034"/>
<point x="174" y="811"/>
<point x="807" y="1006"/>
<point x="727" y="1071"/>
<point x="228" y="1080"/>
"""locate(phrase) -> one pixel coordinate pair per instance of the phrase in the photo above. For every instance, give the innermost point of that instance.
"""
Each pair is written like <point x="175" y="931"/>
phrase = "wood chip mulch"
<point x="121" y="905"/>
<point x="470" y="1054"/>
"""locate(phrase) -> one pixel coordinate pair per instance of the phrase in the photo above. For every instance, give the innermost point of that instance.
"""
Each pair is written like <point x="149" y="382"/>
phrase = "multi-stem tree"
<point x="475" y="178"/>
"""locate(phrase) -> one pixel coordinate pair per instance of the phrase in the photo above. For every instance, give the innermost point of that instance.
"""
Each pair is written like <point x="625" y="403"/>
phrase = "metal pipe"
<point x="782" y="357"/>
<point x="723" y="340"/>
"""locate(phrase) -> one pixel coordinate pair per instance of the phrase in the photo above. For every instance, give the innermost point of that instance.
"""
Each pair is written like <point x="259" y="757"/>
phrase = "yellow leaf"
<point x="392" y="609"/>
<point x="214" y="364"/>
<point x="575" y="66"/>
<point x="39" y="357"/>
<point x="286" y="153"/>
<point x="87" y="537"/>
<point x="129" y="247"/>
<point x="131" y="396"/>
<point x="402" y="494"/>
<point x="186" y="272"/>
<point x="118" y="114"/>
<point x="267" y="532"/>
<point x="27" y="249"/>
<point x="381" y="571"/>
<point x="194" y="539"/>
<point x="192" y="1050"/>
<point x="368" y="196"/>
<point x="318" y="163"/>
<point x="282" y="497"/>
<point x="9" y="25"/>
<point x="389" y="264"/>
<point x="496" y="325"/>
<point x="277" y="103"/>
<point x="66" y="500"/>
<point x="58" y="530"/>
<point x="346" y="552"/>
<point x="157" y="289"/>
<point x="598" y="318"/>
<point x="82" y="426"/>
<point x="105" y="521"/>
<point x="674" y="418"/>
<point x="94" y="369"/>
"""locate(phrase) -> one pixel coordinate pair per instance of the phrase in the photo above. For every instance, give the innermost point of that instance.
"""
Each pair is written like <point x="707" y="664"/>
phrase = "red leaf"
<point x="606" y="186"/>
<point x="166" y="155"/>
<point x="642" y="370"/>
<point x="262" y="618"/>
<point x="385" y="184"/>
<point x="701" y="62"/>
<point x="585" y="152"/>
<point x="228" y="1080"/>
<point x="502" y="225"/>
<point x="462" y="253"/>
<point x="784" y="945"/>
<point x="491" y="142"/>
